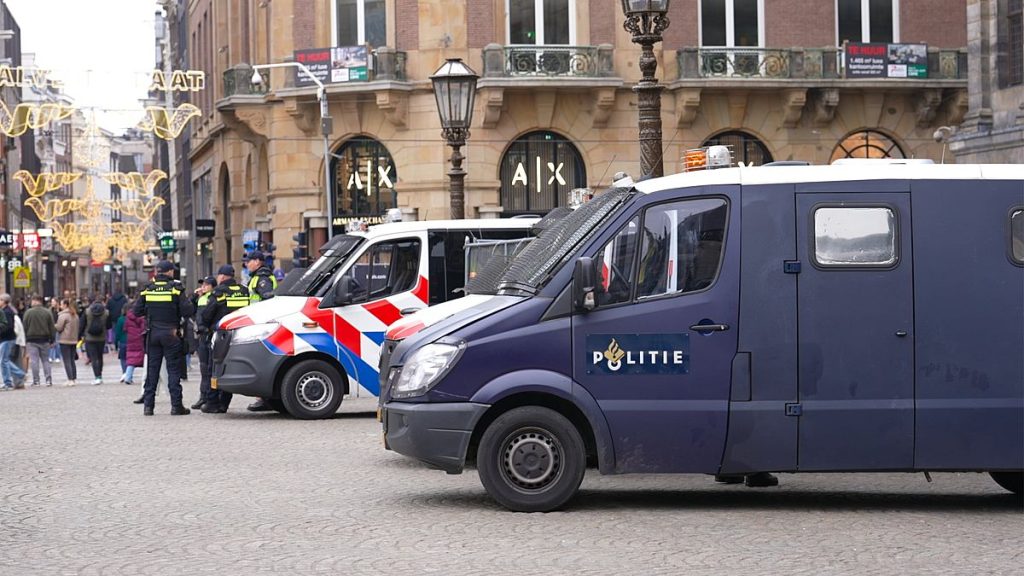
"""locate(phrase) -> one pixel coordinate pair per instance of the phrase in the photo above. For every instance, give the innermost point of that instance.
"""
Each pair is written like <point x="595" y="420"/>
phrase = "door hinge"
<point x="791" y="266"/>
<point x="794" y="409"/>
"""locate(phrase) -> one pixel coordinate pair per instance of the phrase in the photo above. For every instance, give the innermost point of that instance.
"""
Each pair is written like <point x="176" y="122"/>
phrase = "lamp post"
<point x="455" y="91"/>
<point x="326" y="127"/>
<point x="645" y="21"/>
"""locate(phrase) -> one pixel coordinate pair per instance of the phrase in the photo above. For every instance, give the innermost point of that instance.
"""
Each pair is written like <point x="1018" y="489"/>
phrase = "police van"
<point x="319" y="338"/>
<point x="866" y="316"/>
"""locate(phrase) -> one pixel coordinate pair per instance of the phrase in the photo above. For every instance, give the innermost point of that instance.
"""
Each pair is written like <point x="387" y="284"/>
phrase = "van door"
<point x="856" y="339"/>
<point x="656" y="354"/>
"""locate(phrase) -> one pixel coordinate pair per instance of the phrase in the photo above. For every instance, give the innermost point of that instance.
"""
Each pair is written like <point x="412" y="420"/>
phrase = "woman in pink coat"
<point x="135" y="349"/>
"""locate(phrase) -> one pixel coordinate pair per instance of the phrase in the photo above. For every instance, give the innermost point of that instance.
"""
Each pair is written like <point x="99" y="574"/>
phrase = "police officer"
<point x="227" y="297"/>
<point x="203" y="336"/>
<point x="164" y="305"/>
<point x="262" y="284"/>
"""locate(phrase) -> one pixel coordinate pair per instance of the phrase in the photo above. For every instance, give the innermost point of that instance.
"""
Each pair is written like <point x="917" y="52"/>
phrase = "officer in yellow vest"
<point x="203" y="335"/>
<point x="164" y="305"/>
<point x="227" y="297"/>
<point x="262" y="285"/>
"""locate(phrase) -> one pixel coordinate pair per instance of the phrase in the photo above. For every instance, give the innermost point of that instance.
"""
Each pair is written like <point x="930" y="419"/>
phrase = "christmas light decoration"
<point x="181" y="81"/>
<point x="91" y="146"/>
<point x="46" y="182"/>
<point x="20" y="77"/>
<point x="137" y="182"/>
<point x="32" y="116"/>
<point x="168" y="123"/>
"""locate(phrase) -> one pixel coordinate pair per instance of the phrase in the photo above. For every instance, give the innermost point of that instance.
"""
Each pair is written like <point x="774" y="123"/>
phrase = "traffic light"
<point x="300" y="254"/>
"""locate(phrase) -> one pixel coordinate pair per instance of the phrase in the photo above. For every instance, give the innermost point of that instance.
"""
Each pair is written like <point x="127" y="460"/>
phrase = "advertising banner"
<point x="333" y="65"/>
<point x="876" y="60"/>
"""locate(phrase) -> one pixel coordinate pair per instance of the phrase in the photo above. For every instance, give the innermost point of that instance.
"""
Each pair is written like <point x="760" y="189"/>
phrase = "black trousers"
<point x="163" y="344"/>
<point x="94" y="350"/>
<point x="67" y="358"/>
<point x="205" y="370"/>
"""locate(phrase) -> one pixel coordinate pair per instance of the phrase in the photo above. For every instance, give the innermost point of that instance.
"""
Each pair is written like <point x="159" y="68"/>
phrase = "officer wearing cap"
<point x="262" y="282"/>
<point x="227" y="297"/>
<point x="202" y="300"/>
<point x="164" y="305"/>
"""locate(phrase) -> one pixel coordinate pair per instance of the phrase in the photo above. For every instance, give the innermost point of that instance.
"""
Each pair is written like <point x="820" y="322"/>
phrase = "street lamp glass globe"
<point x="257" y="79"/>
<point x="644" y="7"/>
<point x="455" y="90"/>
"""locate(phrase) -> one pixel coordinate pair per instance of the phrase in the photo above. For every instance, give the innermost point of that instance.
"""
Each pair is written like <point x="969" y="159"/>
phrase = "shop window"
<point x="364" y="180"/>
<point x="744" y="147"/>
<point x="541" y="21"/>
<point x="682" y="247"/>
<point x="867" y="21"/>
<point x="855" y="236"/>
<point x="538" y="171"/>
<point x="867" y="144"/>
<point x="359" y="22"/>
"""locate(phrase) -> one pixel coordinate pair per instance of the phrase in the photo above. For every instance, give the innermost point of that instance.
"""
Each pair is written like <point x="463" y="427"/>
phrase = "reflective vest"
<point x="203" y="300"/>
<point x="161" y="297"/>
<point x="234" y="298"/>
<point x="254" y="296"/>
<point x="160" y="291"/>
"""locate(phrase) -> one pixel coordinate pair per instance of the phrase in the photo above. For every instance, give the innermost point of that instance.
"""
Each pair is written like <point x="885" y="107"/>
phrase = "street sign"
<point x="205" y="228"/>
<point x="168" y="243"/>
<point x="22" y="277"/>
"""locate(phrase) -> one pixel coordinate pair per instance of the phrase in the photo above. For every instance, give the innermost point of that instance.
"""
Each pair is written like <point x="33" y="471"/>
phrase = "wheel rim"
<point x="531" y="459"/>
<point x="314" y="390"/>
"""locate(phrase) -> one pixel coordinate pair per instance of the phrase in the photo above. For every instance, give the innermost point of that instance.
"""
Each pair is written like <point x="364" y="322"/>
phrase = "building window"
<point x="744" y="147"/>
<point x="861" y="236"/>
<point x="1015" y="43"/>
<point x="867" y="21"/>
<point x="867" y="144"/>
<point x="537" y="173"/>
<point x="540" y="21"/>
<point x="732" y="23"/>
<point x="359" y="22"/>
<point x="364" y="180"/>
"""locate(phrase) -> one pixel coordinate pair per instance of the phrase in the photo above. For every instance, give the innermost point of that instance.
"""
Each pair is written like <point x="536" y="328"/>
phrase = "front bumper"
<point x="248" y="369"/>
<point x="437" y="434"/>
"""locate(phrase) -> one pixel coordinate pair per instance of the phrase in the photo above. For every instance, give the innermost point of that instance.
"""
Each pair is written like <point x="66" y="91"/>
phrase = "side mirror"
<point x="343" y="291"/>
<point x="584" y="284"/>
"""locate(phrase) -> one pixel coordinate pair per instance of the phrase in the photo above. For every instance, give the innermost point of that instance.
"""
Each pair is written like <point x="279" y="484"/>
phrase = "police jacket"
<point x="164" y="303"/>
<point x="227" y="297"/>
<point x="201" y="302"/>
<point x="262" y="285"/>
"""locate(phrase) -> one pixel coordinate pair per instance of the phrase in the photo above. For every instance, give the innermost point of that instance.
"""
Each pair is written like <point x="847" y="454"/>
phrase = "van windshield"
<point x="332" y="255"/>
<point x="543" y="256"/>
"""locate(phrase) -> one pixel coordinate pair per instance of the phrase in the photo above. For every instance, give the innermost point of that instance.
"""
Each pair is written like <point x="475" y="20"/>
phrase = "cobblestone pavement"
<point x="88" y="486"/>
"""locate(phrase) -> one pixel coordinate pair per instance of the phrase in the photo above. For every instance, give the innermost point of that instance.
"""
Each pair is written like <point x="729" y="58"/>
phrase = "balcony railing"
<point x="387" y="65"/>
<point x="795" y="63"/>
<point x="548" y="61"/>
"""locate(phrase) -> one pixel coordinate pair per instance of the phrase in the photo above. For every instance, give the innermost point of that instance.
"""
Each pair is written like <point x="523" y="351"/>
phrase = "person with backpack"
<point x="13" y="375"/>
<point x="67" y="339"/>
<point x="40" y="330"/>
<point x="94" y="332"/>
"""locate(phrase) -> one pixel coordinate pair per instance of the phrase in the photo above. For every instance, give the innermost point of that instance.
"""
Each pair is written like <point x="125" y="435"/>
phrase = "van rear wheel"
<point x="531" y="459"/>
<point x="312" y="390"/>
<point x="1012" y="481"/>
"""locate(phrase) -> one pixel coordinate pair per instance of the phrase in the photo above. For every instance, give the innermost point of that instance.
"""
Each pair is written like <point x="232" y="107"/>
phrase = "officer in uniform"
<point x="164" y="305"/>
<point x="203" y="336"/>
<point x="227" y="297"/>
<point x="262" y="285"/>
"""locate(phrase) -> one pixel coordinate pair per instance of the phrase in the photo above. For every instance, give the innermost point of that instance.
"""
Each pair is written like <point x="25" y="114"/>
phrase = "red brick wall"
<point x="941" y="23"/>
<point x="809" y="24"/>
<point x="602" y="21"/>
<point x="480" y="20"/>
<point x="407" y="24"/>
<point x="682" y="31"/>
<point x="304" y="24"/>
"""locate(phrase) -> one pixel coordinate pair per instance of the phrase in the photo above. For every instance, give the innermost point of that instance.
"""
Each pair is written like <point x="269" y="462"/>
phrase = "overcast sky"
<point x="103" y="51"/>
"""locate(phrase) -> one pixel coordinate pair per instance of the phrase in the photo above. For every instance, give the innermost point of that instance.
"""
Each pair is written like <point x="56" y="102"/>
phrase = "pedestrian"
<point x="201" y="299"/>
<point x="262" y="285"/>
<point x="40" y="330"/>
<point x="18" y="356"/>
<point x="135" y="346"/>
<point x="121" y="341"/>
<point x="67" y="339"/>
<point x="115" y="308"/>
<point x="227" y="297"/>
<point x="165" y="306"/>
<point x="12" y="374"/>
<point x="94" y="333"/>
<point x="54" y="347"/>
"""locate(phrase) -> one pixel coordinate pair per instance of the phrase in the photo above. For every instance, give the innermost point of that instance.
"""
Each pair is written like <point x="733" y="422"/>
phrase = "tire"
<point x="312" y="390"/>
<point x="531" y="459"/>
<point x="1012" y="481"/>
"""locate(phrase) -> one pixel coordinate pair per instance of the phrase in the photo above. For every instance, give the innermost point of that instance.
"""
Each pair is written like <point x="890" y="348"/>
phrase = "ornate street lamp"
<point x="645" y="21"/>
<point x="455" y="91"/>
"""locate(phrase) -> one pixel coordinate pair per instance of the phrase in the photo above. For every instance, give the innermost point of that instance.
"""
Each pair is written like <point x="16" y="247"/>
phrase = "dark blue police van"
<point x="858" y="317"/>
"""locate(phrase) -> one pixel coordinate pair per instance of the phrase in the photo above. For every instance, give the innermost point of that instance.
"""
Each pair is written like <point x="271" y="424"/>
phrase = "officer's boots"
<point x="179" y="410"/>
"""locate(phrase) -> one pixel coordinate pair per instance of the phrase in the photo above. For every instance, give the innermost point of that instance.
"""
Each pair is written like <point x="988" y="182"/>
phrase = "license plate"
<point x="213" y="383"/>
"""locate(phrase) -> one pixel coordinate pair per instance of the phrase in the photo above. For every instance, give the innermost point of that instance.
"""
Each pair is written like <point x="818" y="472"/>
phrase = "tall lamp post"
<point x="326" y="127"/>
<point x="645" y="21"/>
<point x="455" y="91"/>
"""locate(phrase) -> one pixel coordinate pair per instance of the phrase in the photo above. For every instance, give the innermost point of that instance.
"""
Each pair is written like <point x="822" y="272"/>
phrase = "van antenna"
<point x="606" y="168"/>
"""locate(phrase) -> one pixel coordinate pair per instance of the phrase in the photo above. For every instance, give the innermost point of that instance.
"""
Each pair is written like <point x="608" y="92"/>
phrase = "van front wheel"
<point x="1012" y="481"/>
<point x="312" y="390"/>
<point x="531" y="459"/>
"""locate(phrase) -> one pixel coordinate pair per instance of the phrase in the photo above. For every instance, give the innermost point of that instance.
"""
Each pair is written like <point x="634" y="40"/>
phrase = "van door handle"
<point x="408" y="311"/>
<point x="709" y="327"/>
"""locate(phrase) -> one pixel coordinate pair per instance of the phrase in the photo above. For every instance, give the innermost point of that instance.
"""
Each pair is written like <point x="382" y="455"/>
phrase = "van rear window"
<point x="847" y="236"/>
<point x="1017" y="235"/>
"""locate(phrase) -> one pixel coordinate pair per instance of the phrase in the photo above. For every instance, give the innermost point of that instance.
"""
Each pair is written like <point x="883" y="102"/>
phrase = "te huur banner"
<point x="873" y="60"/>
<point x="333" y="65"/>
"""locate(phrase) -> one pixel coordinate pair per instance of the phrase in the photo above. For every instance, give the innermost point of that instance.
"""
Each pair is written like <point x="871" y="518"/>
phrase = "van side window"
<point x="386" y="269"/>
<point x="1017" y="235"/>
<point x="682" y="246"/>
<point x="846" y="236"/>
<point x="616" y="259"/>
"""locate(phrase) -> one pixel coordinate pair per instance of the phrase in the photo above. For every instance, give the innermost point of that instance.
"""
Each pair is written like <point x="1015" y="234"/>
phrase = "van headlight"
<point x="253" y="332"/>
<point x="425" y="368"/>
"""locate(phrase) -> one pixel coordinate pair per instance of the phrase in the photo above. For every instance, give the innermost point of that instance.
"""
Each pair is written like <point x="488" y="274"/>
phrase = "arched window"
<point x="867" y="144"/>
<point x="745" y="147"/>
<point x="538" y="171"/>
<point x="364" y="180"/>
